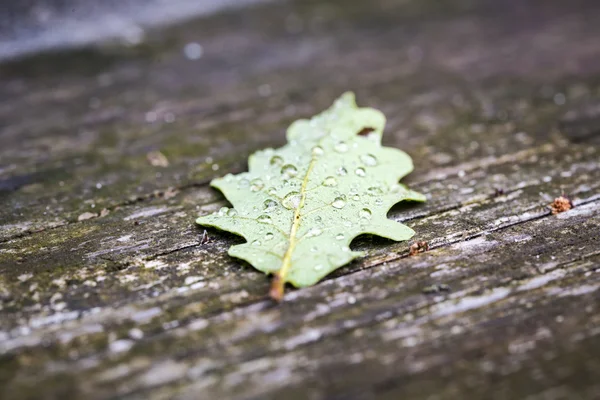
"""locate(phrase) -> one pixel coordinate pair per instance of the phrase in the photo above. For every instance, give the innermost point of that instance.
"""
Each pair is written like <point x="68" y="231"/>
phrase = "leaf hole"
<point x="365" y="131"/>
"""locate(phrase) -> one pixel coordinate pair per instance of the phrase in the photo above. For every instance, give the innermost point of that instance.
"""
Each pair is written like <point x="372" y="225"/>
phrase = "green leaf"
<point x="300" y="206"/>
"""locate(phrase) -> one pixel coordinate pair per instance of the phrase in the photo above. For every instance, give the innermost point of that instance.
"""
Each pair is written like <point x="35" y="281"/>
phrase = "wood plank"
<point x="113" y="261"/>
<point x="496" y="102"/>
<point x="99" y="122"/>
<point x="346" y="314"/>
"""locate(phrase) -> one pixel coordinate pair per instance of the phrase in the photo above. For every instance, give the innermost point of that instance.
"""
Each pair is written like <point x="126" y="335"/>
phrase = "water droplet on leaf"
<point x="268" y="236"/>
<point x="289" y="171"/>
<point x="360" y="171"/>
<point x="265" y="219"/>
<point x="270" y="205"/>
<point x="329" y="181"/>
<point x="232" y="213"/>
<point x="342" y="171"/>
<point x="369" y="160"/>
<point x="223" y="211"/>
<point x="314" y="232"/>
<point x="256" y="185"/>
<point x="374" y="191"/>
<point x="292" y="200"/>
<point x="339" y="202"/>
<point x="340" y="236"/>
<point x="365" y="213"/>
<point x="276" y="160"/>
<point x="341" y="147"/>
<point x="317" y="151"/>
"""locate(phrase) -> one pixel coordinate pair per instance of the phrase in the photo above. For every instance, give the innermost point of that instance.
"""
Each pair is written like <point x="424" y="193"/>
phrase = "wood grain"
<point x="109" y="290"/>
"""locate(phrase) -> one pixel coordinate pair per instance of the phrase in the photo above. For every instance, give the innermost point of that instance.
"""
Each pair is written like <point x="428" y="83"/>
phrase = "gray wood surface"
<point x="108" y="290"/>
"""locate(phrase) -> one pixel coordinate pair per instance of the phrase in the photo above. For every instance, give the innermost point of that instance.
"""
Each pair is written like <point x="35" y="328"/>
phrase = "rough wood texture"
<point x="108" y="290"/>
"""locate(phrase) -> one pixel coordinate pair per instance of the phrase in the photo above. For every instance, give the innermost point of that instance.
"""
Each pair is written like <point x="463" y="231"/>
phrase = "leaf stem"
<point x="279" y="279"/>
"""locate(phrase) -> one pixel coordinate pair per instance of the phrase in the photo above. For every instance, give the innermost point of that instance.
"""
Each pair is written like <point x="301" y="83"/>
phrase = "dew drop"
<point x="339" y="202"/>
<point x="268" y="236"/>
<point x="340" y="236"/>
<point x="289" y="171"/>
<point x="232" y="212"/>
<point x="341" y="147"/>
<point x="270" y="205"/>
<point x="244" y="183"/>
<point x="374" y="191"/>
<point x="365" y="213"/>
<point x="342" y="171"/>
<point x="356" y="197"/>
<point x="223" y="211"/>
<point x="276" y="160"/>
<point x="317" y="151"/>
<point x="256" y="243"/>
<point x="329" y="181"/>
<point x="369" y="160"/>
<point x="360" y="171"/>
<point x="378" y="202"/>
<point x="314" y="249"/>
<point x="318" y="267"/>
<point x="292" y="200"/>
<point x="318" y="219"/>
<point x="265" y="219"/>
<point x="257" y="185"/>
<point x="314" y="232"/>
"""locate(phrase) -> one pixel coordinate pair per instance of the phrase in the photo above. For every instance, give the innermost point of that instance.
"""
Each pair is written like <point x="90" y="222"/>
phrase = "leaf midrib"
<point x="287" y="258"/>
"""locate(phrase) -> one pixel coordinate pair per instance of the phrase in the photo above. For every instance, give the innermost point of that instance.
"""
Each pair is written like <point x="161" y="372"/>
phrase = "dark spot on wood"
<point x="436" y="288"/>
<point x="498" y="192"/>
<point x="13" y="183"/>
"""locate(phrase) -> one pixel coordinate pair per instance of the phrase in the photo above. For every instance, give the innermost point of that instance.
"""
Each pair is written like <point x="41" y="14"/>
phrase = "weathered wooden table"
<point x="108" y="290"/>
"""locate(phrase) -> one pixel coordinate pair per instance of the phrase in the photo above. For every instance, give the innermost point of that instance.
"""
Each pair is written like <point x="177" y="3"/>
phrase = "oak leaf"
<point x="300" y="206"/>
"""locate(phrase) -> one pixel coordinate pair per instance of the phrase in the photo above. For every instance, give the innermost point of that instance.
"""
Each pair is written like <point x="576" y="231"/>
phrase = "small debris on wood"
<point x="498" y="192"/>
<point x="167" y="194"/>
<point x="418" y="247"/>
<point x="104" y="212"/>
<point x="436" y="288"/>
<point x="170" y="193"/>
<point x="205" y="238"/>
<point x="157" y="159"/>
<point x="86" y="215"/>
<point x="561" y="204"/>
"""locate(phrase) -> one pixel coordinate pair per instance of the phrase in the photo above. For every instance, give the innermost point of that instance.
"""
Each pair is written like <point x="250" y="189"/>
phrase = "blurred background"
<point x="27" y="26"/>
